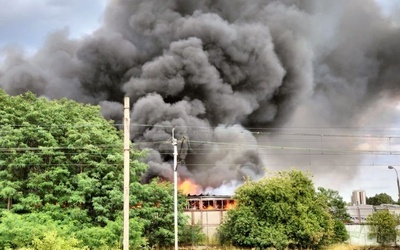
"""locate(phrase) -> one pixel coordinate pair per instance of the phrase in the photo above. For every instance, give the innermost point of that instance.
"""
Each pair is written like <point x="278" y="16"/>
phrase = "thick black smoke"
<point x="220" y="72"/>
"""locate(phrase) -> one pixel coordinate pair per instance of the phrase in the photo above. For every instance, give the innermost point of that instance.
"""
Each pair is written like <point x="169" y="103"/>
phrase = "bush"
<point x="283" y="211"/>
<point x="51" y="240"/>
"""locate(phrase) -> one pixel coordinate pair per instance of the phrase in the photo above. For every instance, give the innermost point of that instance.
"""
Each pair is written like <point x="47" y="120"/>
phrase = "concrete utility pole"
<point x="127" y="123"/>
<point x="174" y="143"/>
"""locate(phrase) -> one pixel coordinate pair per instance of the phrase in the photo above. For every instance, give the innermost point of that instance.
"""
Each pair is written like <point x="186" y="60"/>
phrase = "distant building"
<point x="358" y="198"/>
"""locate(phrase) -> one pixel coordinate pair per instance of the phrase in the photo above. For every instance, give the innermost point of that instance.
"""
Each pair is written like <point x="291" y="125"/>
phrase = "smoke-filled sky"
<point x="250" y="86"/>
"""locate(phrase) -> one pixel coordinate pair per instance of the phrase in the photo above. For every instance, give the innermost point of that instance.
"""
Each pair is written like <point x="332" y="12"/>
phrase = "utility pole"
<point x="127" y="123"/>
<point x="174" y="143"/>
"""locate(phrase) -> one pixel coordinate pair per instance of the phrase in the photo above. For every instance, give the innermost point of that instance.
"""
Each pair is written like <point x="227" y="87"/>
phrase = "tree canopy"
<point x="61" y="165"/>
<point x="379" y="199"/>
<point x="338" y="210"/>
<point x="58" y="153"/>
<point x="282" y="210"/>
<point x="383" y="226"/>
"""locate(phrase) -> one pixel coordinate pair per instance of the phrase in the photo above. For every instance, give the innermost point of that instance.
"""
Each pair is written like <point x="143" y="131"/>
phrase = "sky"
<point x="27" y="23"/>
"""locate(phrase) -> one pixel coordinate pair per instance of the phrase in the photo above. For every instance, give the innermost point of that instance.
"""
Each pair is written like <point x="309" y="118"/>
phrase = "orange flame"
<point x="189" y="187"/>
<point x="231" y="205"/>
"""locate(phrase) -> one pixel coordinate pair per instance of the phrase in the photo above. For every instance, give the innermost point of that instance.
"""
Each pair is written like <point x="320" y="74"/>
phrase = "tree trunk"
<point x="9" y="203"/>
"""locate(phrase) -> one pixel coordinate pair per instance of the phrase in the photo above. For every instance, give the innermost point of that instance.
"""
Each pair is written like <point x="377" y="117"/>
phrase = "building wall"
<point x="358" y="197"/>
<point x="208" y="212"/>
<point x="208" y="219"/>
<point x="358" y="214"/>
<point x="359" y="235"/>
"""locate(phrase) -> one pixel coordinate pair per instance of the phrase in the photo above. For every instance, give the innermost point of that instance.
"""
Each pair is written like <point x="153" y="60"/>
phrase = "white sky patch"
<point x="391" y="9"/>
<point x="28" y="22"/>
<point x="388" y="5"/>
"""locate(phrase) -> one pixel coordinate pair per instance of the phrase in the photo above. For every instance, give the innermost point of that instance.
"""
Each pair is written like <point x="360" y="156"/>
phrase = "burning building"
<point x="208" y="211"/>
<point x="205" y="210"/>
<point x="209" y="202"/>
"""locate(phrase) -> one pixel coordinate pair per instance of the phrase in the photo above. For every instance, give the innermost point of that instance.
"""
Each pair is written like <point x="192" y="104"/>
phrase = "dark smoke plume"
<point x="221" y="72"/>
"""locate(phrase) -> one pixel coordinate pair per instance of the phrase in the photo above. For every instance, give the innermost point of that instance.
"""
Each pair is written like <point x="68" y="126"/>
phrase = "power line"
<point x="211" y="129"/>
<point x="221" y="146"/>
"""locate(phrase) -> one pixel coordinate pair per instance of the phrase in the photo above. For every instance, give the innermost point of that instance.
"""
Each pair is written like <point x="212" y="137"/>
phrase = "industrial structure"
<point x="208" y="211"/>
<point x="358" y="197"/>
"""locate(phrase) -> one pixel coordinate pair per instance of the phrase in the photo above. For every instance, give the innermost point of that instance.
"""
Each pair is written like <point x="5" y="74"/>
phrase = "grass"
<point x="333" y="247"/>
<point x="344" y="246"/>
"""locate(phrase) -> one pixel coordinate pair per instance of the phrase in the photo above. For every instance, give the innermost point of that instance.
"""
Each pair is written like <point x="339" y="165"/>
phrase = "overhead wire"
<point x="275" y="147"/>
<point x="257" y="130"/>
<point x="221" y="146"/>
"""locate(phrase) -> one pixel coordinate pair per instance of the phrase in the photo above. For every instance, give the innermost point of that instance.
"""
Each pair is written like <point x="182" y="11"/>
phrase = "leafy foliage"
<point x="191" y="235"/>
<point x="50" y="240"/>
<point x="153" y="205"/>
<point x="61" y="173"/>
<point x="17" y="231"/>
<point x="379" y="199"/>
<point x="336" y="204"/>
<point x="337" y="208"/>
<point x="39" y="229"/>
<point x="58" y="153"/>
<point x="281" y="211"/>
<point x="383" y="226"/>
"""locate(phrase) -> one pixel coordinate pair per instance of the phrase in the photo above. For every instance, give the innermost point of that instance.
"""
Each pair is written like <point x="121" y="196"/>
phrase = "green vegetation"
<point x="383" y="226"/>
<point x="61" y="173"/>
<point x="337" y="208"/>
<point x="379" y="199"/>
<point x="282" y="211"/>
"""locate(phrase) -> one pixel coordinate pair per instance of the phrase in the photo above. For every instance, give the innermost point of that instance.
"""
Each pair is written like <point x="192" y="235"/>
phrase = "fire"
<point x="231" y="205"/>
<point x="189" y="187"/>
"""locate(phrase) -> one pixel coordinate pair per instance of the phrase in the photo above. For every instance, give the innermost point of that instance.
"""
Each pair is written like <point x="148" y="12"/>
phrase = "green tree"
<point x="382" y="226"/>
<point x="336" y="204"/>
<point x="153" y="204"/>
<point x="59" y="153"/>
<point x="280" y="211"/>
<point x="337" y="208"/>
<point x="62" y="161"/>
<point x="379" y="199"/>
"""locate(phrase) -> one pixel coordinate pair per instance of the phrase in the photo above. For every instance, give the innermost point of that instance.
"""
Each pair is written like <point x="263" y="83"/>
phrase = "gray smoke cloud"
<point x="221" y="72"/>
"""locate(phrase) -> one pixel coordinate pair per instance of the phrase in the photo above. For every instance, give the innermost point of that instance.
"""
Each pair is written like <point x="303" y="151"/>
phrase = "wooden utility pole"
<point x="127" y="123"/>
